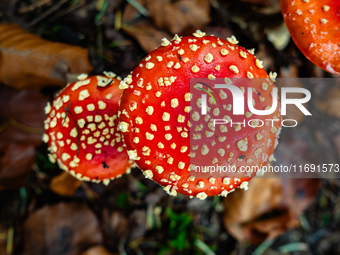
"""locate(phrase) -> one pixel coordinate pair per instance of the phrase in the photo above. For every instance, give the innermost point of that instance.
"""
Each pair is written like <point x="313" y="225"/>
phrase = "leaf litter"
<point x="44" y="210"/>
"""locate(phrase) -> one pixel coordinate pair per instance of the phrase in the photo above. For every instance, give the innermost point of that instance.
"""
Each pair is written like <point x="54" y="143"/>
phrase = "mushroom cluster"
<point x="166" y="135"/>
<point x="315" y="28"/>
<point x="81" y="129"/>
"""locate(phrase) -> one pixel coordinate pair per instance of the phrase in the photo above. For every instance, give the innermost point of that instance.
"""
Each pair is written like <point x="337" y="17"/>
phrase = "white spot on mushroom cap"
<point x="103" y="81"/>
<point x="82" y="76"/>
<point x="101" y="105"/>
<point x="323" y="21"/>
<point x="193" y="47"/>
<point x="149" y="110"/>
<point x="204" y="150"/>
<point x="199" y="34"/>
<point x="148" y="174"/>
<point x="123" y="126"/>
<point x="272" y="76"/>
<point x="80" y="83"/>
<point x="166" y="116"/>
<point x="202" y="195"/>
<point x="208" y="58"/>
<point x="48" y="108"/>
<point x="45" y="138"/>
<point x="224" y="52"/>
<point x="243" y="144"/>
<point x="165" y="42"/>
<point x="244" y="185"/>
<point x="195" y="68"/>
<point x="149" y="136"/>
<point x="234" y="69"/>
<point x="149" y="65"/>
<point x="232" y="40"/>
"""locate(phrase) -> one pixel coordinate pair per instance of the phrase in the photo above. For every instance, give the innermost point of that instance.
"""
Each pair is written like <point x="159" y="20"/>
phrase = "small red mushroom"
<point x="81" y="129"/>
<point x="315" y="28"/>
<point x="161" y="122"/>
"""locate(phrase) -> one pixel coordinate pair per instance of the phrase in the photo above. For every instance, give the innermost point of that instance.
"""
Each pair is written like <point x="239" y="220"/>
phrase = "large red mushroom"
<point x="81" y="129"/>
<point x="315" y="29"/>
<point x="162" y="125"/>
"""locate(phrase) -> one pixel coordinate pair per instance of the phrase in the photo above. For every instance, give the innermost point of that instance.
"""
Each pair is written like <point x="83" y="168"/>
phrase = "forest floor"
<point x="45" y="211"/>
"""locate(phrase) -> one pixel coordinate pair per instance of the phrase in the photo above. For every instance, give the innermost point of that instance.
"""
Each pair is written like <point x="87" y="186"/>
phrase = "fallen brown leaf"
<point x="65" y="228"/>
<point x="179" y="16"/>
<point x="27" y="61"/>
<point x="21" y="128"/>
<point x="64" y="184"/>
<point x="270" y="207"/>
<point x="147" y="36"/>
<point x="15" y="163"/>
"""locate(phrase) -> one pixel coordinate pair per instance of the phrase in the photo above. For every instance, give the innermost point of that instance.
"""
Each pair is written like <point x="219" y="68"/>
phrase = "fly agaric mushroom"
<point x="81" y="129"/>
<point x="157" y="115"/>
<point x="315" y="29"/>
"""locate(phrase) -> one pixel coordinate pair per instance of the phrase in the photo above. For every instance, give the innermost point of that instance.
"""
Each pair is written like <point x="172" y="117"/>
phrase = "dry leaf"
<point x="270" y="207"/>
<point x="27" y="61"/>
<point x="21" y="129"/>
<point x="16" y="160"/>
<point x="179" y="16"/>
<point x="64" y="184"/>
<point x="147" y="36"/>
<point x="65" y="228"/>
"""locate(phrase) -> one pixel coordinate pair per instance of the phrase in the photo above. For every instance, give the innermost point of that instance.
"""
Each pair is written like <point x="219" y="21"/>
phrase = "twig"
<point x="12" y="122"/>
<point x="34" y="5"/>
<point x="48" y="12"/>
<point x="75" y="123"/>
<point x="70" y="9"/>
<point x="67" y="111"/>
<point x="25" y="128"/>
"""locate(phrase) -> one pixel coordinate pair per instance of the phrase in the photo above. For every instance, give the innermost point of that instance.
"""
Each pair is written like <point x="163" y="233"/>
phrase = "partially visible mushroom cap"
<point x="157" y="115"/>
<point x="315" y="28"/>
<point x="81" y="129"/>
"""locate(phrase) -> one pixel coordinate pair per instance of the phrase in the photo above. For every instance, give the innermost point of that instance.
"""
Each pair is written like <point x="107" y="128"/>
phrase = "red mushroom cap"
<point x="315" y="28"/>
<point x="81" y="129"/>
<point x="159" y="123"/>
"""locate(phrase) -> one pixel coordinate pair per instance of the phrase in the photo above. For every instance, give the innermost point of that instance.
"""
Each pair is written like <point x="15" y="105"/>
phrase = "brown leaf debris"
<point x="27" y="61"/>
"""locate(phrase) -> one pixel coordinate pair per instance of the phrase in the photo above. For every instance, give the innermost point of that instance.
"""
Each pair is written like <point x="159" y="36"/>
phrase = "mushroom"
<point x="160" y="118"/>
<point x="81" y="129"/>
<point x="315" y="29"/>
